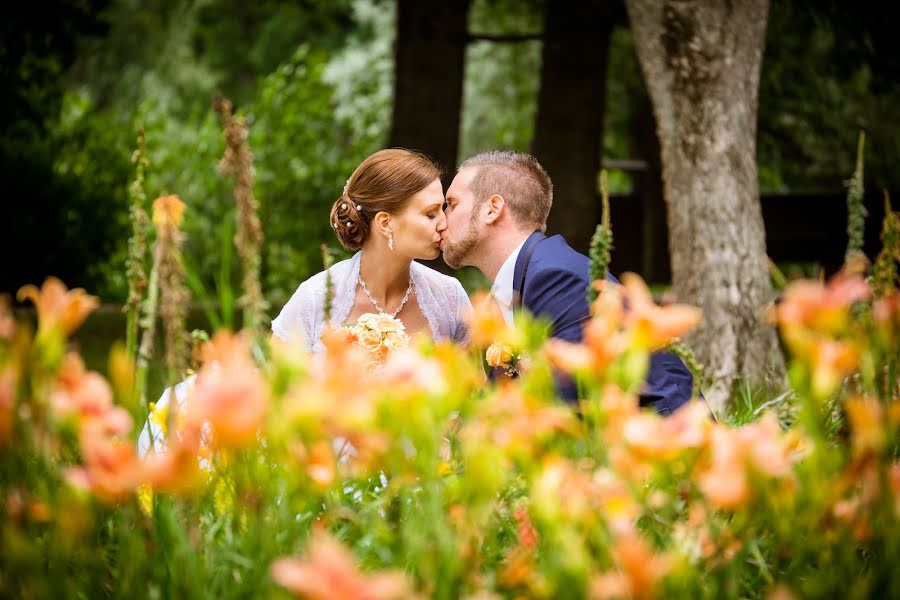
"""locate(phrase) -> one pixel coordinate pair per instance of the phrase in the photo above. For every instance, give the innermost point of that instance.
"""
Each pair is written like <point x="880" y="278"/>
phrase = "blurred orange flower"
<point x="81" y="392"/>
<point x="177" y="469"/>
<point x="59" y="308"/>
<point x="7" y="402"/>
<point x="7" y="321"/>
<point x="725" y="482"/>
<point x="821" y="307"/>
<point x="112" y="468"/>
<point x="230" y="393"/>
<point x="320" y="467"/>
<point x="639" y="571"/>
<point x="168" y="211"/>
<point x="654" y="326"/>
<point x="486" y="322"/>
<point x="829" y="360"/>
<point x="758" y="447"/>
<point x="518" y="423"/>
<point x="866" y="424"/>
<point x="622" y="317"/>
<point x="329" y="572"/>
<point x="654" y="437"/>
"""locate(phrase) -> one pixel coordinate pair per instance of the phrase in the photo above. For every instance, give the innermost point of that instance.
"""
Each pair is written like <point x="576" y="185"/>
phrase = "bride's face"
<point x="418" y="227"/>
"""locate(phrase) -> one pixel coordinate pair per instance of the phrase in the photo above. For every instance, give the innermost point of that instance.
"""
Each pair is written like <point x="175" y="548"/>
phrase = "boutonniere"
<point x="500" y="356"/>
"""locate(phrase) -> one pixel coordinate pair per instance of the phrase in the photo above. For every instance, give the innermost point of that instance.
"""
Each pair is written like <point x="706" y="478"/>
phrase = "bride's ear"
<point x="381" y="222"/>
<point x="495" y="207"/>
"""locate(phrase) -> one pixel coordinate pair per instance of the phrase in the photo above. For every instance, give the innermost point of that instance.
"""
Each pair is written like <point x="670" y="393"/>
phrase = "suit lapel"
<point x="521" y="269"/>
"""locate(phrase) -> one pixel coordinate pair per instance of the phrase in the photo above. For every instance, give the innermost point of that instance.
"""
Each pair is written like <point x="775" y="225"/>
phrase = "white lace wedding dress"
<point x="442" y="299"/>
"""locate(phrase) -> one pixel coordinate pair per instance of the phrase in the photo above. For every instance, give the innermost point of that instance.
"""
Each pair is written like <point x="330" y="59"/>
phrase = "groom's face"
<point x="461" y="236"/>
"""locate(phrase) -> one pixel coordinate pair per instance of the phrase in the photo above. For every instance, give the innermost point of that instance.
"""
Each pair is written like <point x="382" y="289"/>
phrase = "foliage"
<point x="501" y="79"/>
<point x="829" y="70"/>
<point x="317" y="475"/>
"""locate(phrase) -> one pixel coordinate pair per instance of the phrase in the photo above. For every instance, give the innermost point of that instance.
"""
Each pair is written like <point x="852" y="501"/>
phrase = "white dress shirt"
<point x="502" y="290"/>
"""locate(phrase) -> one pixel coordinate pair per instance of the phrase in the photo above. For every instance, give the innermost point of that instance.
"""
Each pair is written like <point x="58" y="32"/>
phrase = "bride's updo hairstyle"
<point x="385" y="181"/>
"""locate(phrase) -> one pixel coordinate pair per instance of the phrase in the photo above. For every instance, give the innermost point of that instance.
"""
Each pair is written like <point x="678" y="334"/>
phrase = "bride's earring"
<point x="391" y="240"/>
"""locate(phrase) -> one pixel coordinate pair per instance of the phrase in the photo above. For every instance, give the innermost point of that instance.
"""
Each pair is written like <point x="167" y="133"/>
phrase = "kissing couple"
<point x="393" y="211"/>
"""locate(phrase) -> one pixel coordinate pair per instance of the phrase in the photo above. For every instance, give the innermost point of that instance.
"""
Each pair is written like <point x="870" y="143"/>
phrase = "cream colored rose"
<point x="370" y="339"/>
<point x="388" y="324"/>
<point x="498" y="355"/>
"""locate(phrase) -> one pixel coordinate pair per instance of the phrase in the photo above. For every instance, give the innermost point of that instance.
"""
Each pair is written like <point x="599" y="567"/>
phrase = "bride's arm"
<point x="296" y="321"/>
<point x="461" y="334"/>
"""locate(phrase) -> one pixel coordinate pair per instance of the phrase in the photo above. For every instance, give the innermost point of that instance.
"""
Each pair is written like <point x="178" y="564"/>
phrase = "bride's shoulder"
<point x="319" y="280"/>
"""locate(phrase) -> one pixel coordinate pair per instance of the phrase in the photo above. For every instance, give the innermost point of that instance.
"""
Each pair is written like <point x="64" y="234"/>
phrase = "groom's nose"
<point x="442" y="222"/>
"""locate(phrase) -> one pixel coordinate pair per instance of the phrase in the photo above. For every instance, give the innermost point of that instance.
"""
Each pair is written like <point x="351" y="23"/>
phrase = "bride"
<point x="391" y="213"/>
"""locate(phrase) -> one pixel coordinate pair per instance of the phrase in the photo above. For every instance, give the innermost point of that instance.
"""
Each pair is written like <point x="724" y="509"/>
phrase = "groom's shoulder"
<point x="555" y="254"/>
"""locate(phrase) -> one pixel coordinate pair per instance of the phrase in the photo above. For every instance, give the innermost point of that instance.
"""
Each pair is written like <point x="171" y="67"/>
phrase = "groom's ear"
<point x="495" y="207"/>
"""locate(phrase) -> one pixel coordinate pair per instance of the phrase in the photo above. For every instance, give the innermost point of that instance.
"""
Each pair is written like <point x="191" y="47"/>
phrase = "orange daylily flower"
<point x="518" y="423"/>
<point x="894" y="483"/>
<point x="830" y="360"/>
<point x="486" y="322"/>
<point x="760" y="447"/>
<point x="176" y="470"/>
<point x="866" y="424"/>
<point x="59" y="308"/>
<point x="320" y="467"/>
<point x="230" y="393"/>
<point x="725" y="483"/>
<point x="168" y="211"/>
<point x="112" y="468"/>
<point x="655" y="437"/>
<point x="7" y="403"/>
<point x="82" y="392"/>
<point x="329" y="572"/>
<point x="527" y="534"/>
<point x="821" y="307"/>
<point x="7" y="321"/>
<point x="640" y="569"/>
<point x="571" y="358"/>
<point x="622" y="317"/>
<point x="655" y="326"/>
<point x="616" y="501"/>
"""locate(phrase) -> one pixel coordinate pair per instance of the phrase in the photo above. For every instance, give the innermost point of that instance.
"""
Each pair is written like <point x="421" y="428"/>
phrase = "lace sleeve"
<point x="298" y="318"/>
<point x="303" y="317"/>
<point x="462" y="334"/>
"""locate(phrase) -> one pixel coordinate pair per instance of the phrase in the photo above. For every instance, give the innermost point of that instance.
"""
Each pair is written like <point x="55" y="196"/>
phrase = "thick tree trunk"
<point x="568" y="136"/>
<point x="430" y="53"/>
<point x="701" y="60"/>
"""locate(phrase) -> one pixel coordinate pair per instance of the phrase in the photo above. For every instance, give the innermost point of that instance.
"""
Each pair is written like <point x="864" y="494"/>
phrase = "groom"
<point x="497" y="207"/>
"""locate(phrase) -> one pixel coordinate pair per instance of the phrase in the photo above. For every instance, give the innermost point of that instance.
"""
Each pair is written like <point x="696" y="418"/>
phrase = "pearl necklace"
<point x="380" y="310"/>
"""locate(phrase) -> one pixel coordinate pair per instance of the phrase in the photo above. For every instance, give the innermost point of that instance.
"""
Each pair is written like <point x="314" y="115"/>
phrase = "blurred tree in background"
<point x="316" y="81"/>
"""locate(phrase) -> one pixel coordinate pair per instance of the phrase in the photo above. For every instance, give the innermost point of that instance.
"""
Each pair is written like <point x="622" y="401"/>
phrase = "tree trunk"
<point x="430" y="55"/>
<point x="701" y="60"/>
<point x="568" y="136"/>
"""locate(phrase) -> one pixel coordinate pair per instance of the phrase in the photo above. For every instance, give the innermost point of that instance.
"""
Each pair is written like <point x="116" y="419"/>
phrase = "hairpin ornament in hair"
<point x="359" y="207"/>
<point x="346" y="185"/>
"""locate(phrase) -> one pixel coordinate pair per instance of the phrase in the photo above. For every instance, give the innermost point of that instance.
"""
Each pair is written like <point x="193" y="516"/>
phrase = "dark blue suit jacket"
<point x="551" y="281"/>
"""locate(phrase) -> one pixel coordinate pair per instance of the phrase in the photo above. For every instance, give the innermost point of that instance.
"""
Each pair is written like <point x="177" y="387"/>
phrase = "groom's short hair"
<point x="519" y="178"/>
